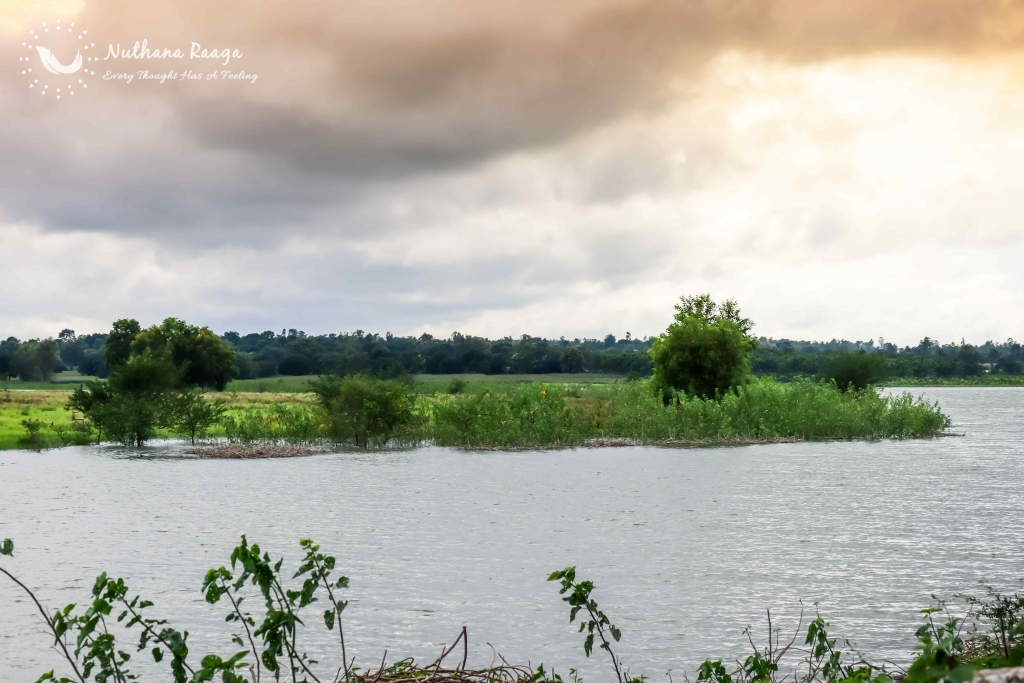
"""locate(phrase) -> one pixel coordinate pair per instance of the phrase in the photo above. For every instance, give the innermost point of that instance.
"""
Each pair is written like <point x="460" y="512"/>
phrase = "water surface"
<point x="687" y="546"/>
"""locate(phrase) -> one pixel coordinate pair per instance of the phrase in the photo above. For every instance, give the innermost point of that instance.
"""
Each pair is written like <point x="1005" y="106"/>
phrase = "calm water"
<point x="687" y="547"/>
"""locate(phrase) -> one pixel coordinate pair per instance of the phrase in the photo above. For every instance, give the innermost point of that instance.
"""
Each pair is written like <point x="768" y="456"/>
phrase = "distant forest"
<point x="293" y="352"/>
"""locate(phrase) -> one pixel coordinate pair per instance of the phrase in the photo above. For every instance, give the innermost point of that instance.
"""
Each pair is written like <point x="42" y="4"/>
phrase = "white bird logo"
<point x="51" y="64"/>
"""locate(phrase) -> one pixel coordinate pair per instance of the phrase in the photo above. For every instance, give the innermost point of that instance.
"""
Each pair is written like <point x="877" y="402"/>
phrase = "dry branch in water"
<point x="406" y="671"/>
<point x="240" y="451"/>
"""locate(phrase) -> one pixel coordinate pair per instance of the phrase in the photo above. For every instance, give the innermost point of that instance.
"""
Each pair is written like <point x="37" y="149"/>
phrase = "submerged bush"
<point x="364" y="411"/>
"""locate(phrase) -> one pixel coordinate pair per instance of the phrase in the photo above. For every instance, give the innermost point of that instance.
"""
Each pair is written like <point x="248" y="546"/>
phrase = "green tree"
<point x="36" y="361"/>
<point x="193" y="415"/>
<point x="705" y="351"/>
<point x="363" y="410"/>
<point x="199" y="356"/>
<point x="132" y="404"/>
<point x="856" y="370"/>
<point x="571" y="360"/>
<point x="118" y="345"/>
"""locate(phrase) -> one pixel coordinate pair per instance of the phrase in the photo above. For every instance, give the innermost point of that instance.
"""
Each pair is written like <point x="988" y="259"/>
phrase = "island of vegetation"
<point x="174" y="379"/>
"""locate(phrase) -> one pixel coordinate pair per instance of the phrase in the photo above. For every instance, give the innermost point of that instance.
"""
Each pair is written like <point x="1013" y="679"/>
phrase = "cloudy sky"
<point x="843" y="168"/>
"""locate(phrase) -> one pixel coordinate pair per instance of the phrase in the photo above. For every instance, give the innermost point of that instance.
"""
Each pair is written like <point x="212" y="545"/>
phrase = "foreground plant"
<point x="597" y="623"/>
<point x="270" y="645"/>
<point x="87" y="639"/>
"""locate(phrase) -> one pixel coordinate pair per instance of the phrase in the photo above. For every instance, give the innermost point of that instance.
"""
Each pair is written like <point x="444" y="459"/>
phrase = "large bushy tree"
<point x="133" y="404"/>
<point x="118" y="345"/>
<point x="855" y="370"/>
<point x="156" y="377"/>
<point x="572" y="360"/>
<point x="36" y="361"/>
<point x="705" y="351"/>
<point x="199" y="356"/>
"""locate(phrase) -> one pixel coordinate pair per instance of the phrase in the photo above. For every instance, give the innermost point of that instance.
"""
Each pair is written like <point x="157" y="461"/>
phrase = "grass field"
<point x="427" y="383"/>
<point x="979" y="381"/>
<point x="48" y="406"/>
<point x="475" y="382"/>
<point x="62" y="380"/>
<point x="15" y="406"/>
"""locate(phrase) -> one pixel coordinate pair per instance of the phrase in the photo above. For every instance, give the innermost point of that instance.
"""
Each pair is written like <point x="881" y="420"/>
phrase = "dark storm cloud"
<point x="355" y="97"/>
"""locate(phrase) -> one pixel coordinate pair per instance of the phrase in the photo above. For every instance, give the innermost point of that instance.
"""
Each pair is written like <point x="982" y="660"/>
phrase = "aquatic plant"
<point x="281" y="423"/>
<point x="551" y="416"/>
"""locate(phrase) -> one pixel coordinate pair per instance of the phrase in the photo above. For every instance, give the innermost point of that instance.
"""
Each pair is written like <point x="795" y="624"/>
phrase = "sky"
<point x="842" y="168"/>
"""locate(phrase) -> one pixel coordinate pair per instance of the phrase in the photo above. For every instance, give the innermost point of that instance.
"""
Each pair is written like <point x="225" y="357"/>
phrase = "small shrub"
<point x="33" y="434"/>
<point x="456" y="386"/>
<point x="192" y="415"/>
<point x="65" y="435"/>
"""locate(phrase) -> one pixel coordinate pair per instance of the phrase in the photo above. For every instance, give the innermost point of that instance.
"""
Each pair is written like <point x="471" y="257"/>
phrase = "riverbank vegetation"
<point x="528" y="415"/>
<point x="701" y="392"/>
<point x="952" y="644"/>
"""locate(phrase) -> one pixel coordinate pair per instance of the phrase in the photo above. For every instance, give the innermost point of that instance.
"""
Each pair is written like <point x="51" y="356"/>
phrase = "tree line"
<point x="786" y="359"/>
<point x="292" y="352"/>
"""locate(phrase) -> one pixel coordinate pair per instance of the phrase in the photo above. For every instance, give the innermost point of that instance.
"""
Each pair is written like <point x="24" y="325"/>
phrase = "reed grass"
<point x="547" y="416"/>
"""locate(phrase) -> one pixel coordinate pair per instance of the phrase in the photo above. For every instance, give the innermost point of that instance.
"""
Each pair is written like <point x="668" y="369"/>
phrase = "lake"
<point x="686" y="546"/>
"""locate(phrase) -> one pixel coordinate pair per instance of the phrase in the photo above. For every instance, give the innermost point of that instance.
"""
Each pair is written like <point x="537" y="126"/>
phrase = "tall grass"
<point x="552" y="416"/>
<point x="294" y="424"/>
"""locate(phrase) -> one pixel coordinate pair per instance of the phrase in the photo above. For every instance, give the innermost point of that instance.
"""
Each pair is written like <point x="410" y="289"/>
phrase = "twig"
<point x="49" y="623"/>
<point x="153" y="633"/>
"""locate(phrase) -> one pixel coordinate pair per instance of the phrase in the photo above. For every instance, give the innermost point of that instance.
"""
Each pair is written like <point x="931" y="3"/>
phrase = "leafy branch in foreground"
<point x="947" y="651"/>
<point x="598" y="624"/>
<point x="88" y="640"/>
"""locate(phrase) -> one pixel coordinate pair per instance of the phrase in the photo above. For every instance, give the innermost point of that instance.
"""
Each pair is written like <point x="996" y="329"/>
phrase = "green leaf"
<point x="616" y="633"/>
<point x="961" y="674"/>
<point x="7" y="548"/>
<point x="329" y="619"/>
<point x="211" y="661"/>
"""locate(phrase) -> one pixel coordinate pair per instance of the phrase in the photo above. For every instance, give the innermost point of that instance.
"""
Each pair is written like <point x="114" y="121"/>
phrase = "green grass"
<point x="273" y="385"/>
<point x="49" y="407"/>
<point x="61" y="380"/>
<point x="424" y="383"/>
<point x="15" y="406"/>
<point x="552" y="416"/>
<point x="979" y="381"/>
<point x="489" y="413"/>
